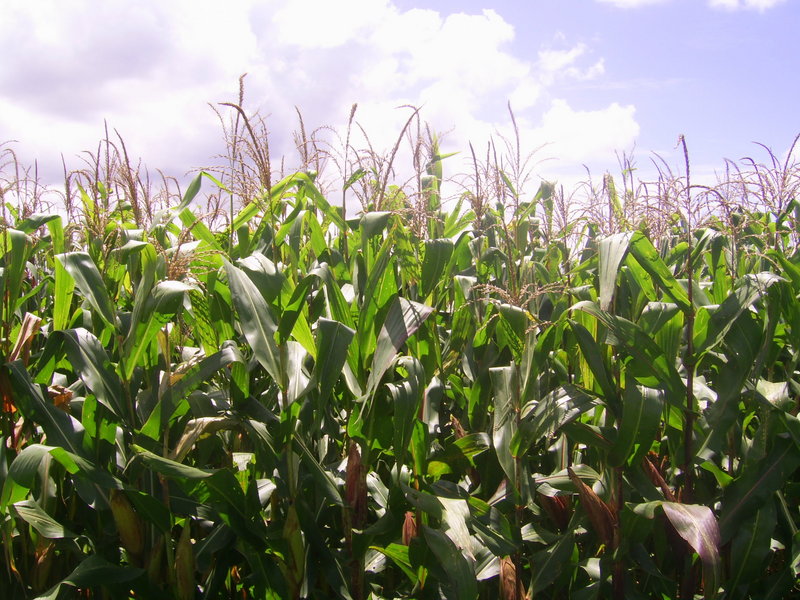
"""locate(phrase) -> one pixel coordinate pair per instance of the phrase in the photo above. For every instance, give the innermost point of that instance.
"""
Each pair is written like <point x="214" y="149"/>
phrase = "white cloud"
<point x="561" y="64"/>
<point x="759" y="5"/>
<point x="578" y="136"/>
<point x="150" y="71"/>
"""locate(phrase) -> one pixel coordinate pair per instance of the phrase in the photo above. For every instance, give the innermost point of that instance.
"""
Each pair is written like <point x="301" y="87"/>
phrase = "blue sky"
<point x="587" y="78"/>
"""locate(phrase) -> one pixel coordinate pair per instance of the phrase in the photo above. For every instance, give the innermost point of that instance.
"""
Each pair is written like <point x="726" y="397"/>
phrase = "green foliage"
<point x="470" y="405"/>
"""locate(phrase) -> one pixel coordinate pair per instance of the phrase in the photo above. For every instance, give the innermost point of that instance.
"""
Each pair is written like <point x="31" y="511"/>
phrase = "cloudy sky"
<point x="587" y="78"/>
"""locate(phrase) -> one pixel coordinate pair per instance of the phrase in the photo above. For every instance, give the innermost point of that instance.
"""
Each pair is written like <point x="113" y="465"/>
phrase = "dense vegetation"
<point x="509" y="397"/>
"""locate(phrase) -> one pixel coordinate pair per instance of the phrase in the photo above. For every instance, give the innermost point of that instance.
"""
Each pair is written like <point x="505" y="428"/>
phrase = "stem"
<point x="618" y="574"/>
<point x="344" y="178"/>
<point x="518" y="503"/>
<point x="689" y="361"/>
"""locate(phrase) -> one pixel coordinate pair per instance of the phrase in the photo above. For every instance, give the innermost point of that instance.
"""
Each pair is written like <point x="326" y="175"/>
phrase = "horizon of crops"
<point x="265" y="394"/>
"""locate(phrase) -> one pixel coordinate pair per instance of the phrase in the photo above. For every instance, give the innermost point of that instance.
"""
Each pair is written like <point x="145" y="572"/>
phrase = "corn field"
<point x="273" y="398"/>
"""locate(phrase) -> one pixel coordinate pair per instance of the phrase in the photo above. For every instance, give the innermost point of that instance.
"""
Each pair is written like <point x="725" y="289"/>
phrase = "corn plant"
<point x="482" y="402"/>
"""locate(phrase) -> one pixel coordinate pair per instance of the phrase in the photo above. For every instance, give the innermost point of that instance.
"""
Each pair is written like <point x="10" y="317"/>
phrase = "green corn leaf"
<point x="355" y="176"/>
<point x="333" y="343"/>
<point x="95" y="572"/>
<point x="184" y="383"/>
<point x="61" y="428"/>
<point x="461" y="581"/>
<point x="457" y="457"/>
<point x="196" y="428"/>
<point x="165" y="299"/>
<point x="437" y="257"/>
<point x="63" y="283"/>
<point x="406" y="397"/>
<point x="292" y="310"/>
<point x="151" y="509"/>
<point x="90" y="283"/>
<point x="611" y="251"/>
<point x="650" y="359"/>
<point x="170" y="468"/>
<point x="504" y="426"/>
<point x="549" y="563"/>
<point x="641" y="417"/>
<point x="749" y="492"/>
<point x="750" y="547"/>
<point x="378" y="292"/>
<point x="293" y="357"/>
<point x="200" y="231"/>
<point x="224" y="492"/>
<point x="35" y="221"/>
<point x="650" y="260"/>
<point x="749" y="289"/>
<point x="15" y="260"/>
<point x="495" y="531"/>
<point x="593" y="355"/>
<point x="541" y="420"/>
<point x="44" y="524"/>
<point x="266" y="276"/>
<point x="399" y="555"/>
<point x="374" y="223"/>
<point x="403" y="319"/>
<point x="93" y="365"/>
<point x="323" y="478"/>
<point x="258" y="324"/>
<point x="25" y="468"/>
<point x="312" y="191"/>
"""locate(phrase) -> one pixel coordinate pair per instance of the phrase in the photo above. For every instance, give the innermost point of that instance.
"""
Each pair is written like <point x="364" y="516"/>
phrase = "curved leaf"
<point x="88" y="280"/>
<point x="257" y="322"/>
<point x="402" y="321"/>
<point x="611" y="251"/>
<point x="696" y="524"/>
<point x="650" y="260"/>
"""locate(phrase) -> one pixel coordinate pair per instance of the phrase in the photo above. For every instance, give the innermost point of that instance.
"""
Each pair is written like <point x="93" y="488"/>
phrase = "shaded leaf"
<point x="696" y="524"/>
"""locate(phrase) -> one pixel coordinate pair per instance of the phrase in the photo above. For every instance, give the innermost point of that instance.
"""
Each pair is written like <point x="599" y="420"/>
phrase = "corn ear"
<point x="155" y="561"/>
<point x="184" y="565"/>
<point x="510" y="585"/>
<point x="409" y="528"/>
<point x="44" y="562"/>
<point x="129" y="524"/>
<point x="296" y="559"/>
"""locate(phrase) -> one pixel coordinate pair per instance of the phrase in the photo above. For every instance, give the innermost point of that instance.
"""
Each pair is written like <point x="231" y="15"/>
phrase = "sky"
<point x="588" y="80"/>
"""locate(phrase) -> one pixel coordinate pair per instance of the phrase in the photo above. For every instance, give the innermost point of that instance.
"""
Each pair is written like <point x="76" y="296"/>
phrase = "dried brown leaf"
<point x="600" y="514"/>
<point x="511" y="587"/>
